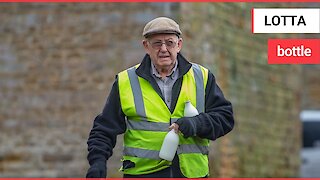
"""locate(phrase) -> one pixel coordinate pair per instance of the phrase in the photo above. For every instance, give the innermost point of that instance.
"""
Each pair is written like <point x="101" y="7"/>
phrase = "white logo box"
<point x="286" y="20"/>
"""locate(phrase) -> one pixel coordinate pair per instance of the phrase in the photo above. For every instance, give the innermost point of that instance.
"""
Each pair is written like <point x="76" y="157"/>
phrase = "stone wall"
<point x="57" y="64"/>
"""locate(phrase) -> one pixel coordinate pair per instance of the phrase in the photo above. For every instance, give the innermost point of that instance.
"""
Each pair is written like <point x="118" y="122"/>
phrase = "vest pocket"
<point x="194" y="165"/>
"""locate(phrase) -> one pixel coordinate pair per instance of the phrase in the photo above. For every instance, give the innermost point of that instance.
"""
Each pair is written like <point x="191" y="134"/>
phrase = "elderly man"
<point x="149" y="99"/>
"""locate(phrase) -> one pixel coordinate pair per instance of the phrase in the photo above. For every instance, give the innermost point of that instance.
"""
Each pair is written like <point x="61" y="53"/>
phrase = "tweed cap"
<point x="161" y="25"/>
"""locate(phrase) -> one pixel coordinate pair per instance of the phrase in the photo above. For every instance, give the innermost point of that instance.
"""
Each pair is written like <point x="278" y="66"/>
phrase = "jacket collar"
<point x="144" y="69"/>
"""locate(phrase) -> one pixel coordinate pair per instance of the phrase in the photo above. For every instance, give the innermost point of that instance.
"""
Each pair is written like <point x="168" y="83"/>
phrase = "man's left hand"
<point x="187" y="126"/>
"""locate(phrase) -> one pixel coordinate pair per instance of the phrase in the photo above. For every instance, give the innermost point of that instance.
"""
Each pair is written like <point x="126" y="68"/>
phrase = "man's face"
<point x="163" y="49"/>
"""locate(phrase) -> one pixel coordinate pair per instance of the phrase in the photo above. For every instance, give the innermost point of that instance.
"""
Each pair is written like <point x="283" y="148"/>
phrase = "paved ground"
<point x="310" y="166"/>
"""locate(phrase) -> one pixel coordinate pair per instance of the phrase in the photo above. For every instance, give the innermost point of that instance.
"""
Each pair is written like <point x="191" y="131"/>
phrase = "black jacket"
<point x="214" y="123"/>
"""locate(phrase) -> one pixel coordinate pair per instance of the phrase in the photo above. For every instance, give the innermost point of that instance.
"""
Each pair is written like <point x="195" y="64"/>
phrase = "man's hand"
<point x="97" y="170"/>
<point x="175" y="127"/>
<point x="187" y="126"/>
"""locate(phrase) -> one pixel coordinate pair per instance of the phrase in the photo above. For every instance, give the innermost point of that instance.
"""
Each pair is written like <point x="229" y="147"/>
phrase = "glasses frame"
<point x="165" y="42"/>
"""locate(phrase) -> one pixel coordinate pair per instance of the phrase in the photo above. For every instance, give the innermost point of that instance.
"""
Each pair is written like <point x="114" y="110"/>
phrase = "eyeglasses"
<point x="158" y="44"/>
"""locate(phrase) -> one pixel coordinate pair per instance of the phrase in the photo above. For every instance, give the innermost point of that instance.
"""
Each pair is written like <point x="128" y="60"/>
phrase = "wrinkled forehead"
<point x="160" y="37"/>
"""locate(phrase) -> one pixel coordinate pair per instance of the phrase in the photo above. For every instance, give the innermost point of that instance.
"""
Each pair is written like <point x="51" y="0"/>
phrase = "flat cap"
<point x="161" y="25"/>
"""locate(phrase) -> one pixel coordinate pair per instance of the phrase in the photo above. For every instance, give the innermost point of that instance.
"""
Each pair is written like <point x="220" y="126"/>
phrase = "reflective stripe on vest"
<point x="136" y="90"/>
<point x="192" y="148"/>
<point x="152" y="154"/>
<point x="142" y="153"/>
<point x="199" y="86"/>
<point x="173" y="120"/>
<point x="147" y="125"/>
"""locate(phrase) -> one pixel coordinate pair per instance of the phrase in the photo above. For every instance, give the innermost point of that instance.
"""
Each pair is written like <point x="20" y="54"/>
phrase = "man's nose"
<point x="163" y="47"/>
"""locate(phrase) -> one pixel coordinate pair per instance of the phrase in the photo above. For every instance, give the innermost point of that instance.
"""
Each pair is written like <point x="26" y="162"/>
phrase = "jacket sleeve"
<point x="106" y="127"/>
<point x="218" y="118"/>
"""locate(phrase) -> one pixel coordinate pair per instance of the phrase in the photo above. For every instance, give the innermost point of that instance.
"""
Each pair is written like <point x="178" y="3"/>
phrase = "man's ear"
<point x="180" y="42"/>
<point x="145" y="45"/>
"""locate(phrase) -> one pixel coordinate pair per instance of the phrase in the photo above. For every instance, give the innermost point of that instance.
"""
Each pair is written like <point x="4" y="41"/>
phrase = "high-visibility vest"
<point x="148" y="119"/>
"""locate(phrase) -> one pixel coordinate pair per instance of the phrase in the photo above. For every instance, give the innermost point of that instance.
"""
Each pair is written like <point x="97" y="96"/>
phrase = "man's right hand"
<point x="97" y="170"/>
<point x="175" y="127"/>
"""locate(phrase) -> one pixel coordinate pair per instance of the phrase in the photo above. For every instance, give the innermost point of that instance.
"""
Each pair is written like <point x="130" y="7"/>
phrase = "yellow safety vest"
<point x="148" y="119"/>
